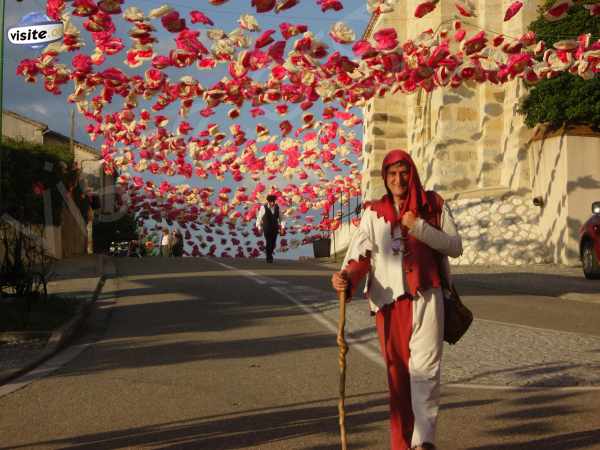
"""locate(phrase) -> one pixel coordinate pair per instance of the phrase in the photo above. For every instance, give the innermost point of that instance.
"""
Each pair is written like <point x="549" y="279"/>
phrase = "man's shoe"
<point x="425" y="446"/>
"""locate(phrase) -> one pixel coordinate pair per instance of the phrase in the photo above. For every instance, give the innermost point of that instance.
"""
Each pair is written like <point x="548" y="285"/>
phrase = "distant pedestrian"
<point x="403" y="243"/>
<point x="134" y="249"/>
<point x="165" y="243"/>
<point x="177" y="244"/>
<point x="268" y="223"/>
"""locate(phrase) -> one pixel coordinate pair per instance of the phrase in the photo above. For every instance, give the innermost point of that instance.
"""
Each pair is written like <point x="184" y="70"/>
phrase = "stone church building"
<point x="472" y="146"/>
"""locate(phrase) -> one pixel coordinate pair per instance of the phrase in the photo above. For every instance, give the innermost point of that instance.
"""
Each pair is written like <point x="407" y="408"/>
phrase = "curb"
<point x="60" y="336"/>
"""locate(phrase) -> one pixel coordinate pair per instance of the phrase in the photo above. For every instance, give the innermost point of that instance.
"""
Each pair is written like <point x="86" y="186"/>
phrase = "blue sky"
<point x="33" y="101"/>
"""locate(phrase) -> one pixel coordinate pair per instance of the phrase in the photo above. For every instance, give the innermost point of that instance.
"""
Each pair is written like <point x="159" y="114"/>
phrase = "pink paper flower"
<point x="276" y="52"/>
<point x="334" y="5"/>
<point x="464" y="9"/>
<point x="386" y="39"/>
<point x="264" y="39"/>
<point x="425" y="8"/>
<point x="558" y="10"/>
<point x="289" y="30"/>
<point x="513" y="9"/>
<point x="363" y="49"/>
<point x="199" y="17"/>
<point x="460" y="35"/>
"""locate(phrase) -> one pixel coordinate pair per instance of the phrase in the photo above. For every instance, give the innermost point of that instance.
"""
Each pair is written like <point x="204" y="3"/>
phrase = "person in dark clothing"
<point x="177" y="244"/>
<point x="268" y="223"/>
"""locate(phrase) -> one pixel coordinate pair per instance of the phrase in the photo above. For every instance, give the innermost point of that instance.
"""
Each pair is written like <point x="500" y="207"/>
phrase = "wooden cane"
<point x="343" y="347"/>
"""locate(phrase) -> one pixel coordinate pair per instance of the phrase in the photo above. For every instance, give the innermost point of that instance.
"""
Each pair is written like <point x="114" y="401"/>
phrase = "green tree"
<point x="567" y="99"/>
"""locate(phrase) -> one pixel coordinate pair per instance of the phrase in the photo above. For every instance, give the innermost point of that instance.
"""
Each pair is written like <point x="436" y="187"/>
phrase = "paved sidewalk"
<point x="77" y="277"/>
<point x="535" y="326"/>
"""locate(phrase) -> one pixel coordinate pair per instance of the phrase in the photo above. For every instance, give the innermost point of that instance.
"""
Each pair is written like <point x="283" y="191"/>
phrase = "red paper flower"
<point x="198" y="17"/>
<point x="172" y="22"/>
<point x="513" y="9"/>
<point x="263" y="5"/>
<point x="326" y="5"/>
<point x="38" y="188"/>
<point x="464" y="9"/>
<point x="425" y="8"/>
<point x="386" y="39"/>
<point x="264" y="39"/>
<point x="288" y="30"/>
<point x="558" y="10"/>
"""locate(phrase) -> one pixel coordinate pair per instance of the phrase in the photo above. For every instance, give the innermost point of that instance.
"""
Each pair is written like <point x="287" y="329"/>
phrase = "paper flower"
<point x="558" y="10"/>
<point x="342" y="33"/>
<point x="465" y="8"/>
<point x="199" y="17"/>
<point x="513" y="9"/>
<point x="425" y="8"/>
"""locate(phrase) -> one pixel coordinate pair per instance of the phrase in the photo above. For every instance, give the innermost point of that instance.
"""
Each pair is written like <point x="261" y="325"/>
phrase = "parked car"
<point x="589" y="244"/>
<point x="118" y="248"/>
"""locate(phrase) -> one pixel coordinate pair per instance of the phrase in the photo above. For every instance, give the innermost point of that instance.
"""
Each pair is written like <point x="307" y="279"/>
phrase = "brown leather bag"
<point x="457" y="317"/>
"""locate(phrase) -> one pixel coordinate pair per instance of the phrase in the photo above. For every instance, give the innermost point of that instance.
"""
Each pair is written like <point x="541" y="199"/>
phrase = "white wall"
<point x="566" y="175"/>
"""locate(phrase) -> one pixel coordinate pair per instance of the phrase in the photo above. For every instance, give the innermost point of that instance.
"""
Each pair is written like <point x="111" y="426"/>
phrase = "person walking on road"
<point x="177" y="244"/>
<point x="268" y="223"/>
<point x="402" y="243"/>
<point x="165" y="243"/>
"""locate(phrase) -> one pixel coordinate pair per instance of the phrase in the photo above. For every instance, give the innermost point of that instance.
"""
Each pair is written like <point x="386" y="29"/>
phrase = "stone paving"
<point x="491" y="353"/>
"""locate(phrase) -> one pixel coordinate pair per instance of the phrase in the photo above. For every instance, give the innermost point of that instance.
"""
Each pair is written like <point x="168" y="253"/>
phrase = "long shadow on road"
<point x="247" y="429"/>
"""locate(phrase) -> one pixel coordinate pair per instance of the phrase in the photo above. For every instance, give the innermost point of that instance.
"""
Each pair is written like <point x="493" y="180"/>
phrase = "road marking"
<point x="366" y="351"/>
<point x="377" y="359"/>
<point x="247" y="273"/>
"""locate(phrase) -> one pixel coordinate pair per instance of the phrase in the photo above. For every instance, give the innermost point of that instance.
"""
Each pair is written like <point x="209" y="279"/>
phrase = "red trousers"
<point x="411" y="339"/>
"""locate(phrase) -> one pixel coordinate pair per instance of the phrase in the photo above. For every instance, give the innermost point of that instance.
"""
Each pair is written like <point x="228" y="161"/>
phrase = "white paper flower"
<point x="160" y="11"/>
<point x="249" y="22"/>
<point x="133" y="14"/>
<point x="342" y="33"/>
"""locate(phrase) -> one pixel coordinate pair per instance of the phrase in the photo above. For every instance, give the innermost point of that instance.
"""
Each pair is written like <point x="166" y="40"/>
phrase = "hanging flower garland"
<point x="270" y="72"/>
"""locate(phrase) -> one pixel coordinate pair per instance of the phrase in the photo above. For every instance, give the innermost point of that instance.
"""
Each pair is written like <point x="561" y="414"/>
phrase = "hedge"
<point x="26" y="168"/>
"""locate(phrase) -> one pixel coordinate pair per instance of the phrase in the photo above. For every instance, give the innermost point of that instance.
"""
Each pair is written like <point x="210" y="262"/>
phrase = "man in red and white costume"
<point x="403" y="242"/>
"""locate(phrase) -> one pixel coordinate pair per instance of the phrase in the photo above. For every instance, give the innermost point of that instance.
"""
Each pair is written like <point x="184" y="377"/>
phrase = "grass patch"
<point x="36" y="313"/>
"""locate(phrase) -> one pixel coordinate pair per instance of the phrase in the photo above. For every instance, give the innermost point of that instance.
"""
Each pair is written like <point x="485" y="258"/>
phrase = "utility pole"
<point x="2" y="85"/>
<point x="72" y="136"/>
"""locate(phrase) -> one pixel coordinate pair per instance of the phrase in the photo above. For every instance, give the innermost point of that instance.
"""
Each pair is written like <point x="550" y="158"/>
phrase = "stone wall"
<point x="468" y="143"/>
<point x="499" y="229"/>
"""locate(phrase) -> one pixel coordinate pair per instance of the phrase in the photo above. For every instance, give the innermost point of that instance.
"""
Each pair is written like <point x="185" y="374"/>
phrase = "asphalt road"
<point x="207" y="354"/>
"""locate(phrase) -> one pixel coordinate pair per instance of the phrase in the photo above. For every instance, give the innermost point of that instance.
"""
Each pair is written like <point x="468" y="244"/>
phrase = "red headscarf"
<point x="420" y="262"/>
<point x="416" y="200"/>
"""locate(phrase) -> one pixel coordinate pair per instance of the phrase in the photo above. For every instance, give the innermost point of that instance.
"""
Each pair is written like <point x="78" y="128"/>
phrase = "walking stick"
<point x="343" y="347"/>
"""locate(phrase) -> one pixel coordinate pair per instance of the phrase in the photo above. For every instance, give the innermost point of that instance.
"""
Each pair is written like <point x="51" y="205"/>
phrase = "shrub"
<point x="25" y="170"/>
<point x="567" y="99"/>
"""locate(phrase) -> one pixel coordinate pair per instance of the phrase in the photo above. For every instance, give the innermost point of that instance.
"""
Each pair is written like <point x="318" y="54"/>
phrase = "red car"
<point x="589" y="244"/>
